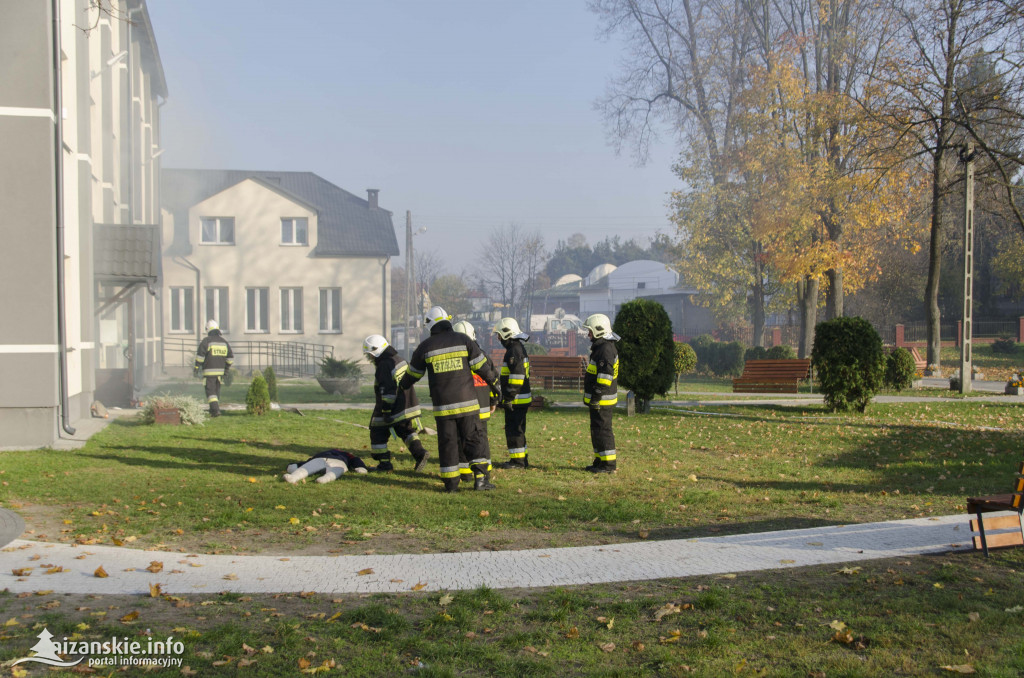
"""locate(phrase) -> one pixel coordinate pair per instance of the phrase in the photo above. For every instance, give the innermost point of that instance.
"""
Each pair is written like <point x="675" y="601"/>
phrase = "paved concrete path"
<point x="191" y="573"/>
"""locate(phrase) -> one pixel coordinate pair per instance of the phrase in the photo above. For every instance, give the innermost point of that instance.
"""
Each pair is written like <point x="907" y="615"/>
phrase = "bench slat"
<point x="997" y="523"/>
<point x="1000" y="539"/>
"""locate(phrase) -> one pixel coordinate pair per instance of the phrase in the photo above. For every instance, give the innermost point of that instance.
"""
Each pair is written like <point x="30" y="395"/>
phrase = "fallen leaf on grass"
<point x="484" y="514"/>
<point x="11" y="622"/>
<point x="248" y="650"/>
<point x="638" y="646"/>
<point x="838" y="625"/>
<point x="130" y="617"/>
<point x="672" y="637"/>
<point x="973" y="616"/>
<point x="242" y="663"/>
<point x="692" y="477"/>
<point x="1014" y="610"/>
<point x="445" y="600"/>
<point x="187" y="671"/>
<point x="607" y="647"/>
<point x="154" y="591"/>
<point x="418" y="587"/>
<point x="848" y="570"/>
<point x="609" y="623"/>
<point x="293" y="521"/>
<point x="572" y="633"/>
<point x="665" y="610"/>
<point x="266" y="649"/>
<point x="361" y="625"/>
<point x="959" y="668"/>
<point x="844" y="637"/>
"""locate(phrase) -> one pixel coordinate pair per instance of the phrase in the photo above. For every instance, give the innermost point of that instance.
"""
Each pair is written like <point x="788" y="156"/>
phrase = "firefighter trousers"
<point x="515" y="432"/>
<point x="213" y="394"/>
<point x="453" y="433"/>
<point x="601" y="435"/>
<point x="407" y="431"/>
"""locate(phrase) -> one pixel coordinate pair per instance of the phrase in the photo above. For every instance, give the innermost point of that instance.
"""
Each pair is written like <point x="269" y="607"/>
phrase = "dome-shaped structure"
<point x="600" y="271"/>
<point x="568" y="278"/>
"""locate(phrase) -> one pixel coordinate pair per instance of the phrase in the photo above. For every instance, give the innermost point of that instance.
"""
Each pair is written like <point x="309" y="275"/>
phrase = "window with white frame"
<point x="330" y="309"/>
<point x="257" y="315"/>
<point x="217" y="230"/>
<point x="182" y="313"/>
<point x="217" y="307"/>
<point x="295" y="231"/>
<point x="291" y="309"/>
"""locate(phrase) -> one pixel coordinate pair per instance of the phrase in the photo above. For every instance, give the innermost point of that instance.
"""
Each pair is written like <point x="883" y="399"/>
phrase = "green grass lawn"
<point x="995" y="366"/>
<point x="217" y="488"/>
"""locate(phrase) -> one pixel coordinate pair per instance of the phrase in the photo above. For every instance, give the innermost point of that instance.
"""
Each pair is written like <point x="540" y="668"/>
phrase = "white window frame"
<point x="261" y="303"/>
<point x="220" y="309"/>
<point x="219" y="223"/>
<point x="183" y="300"/>
<point x="292" y="310"/>
<point x="327" y="304"/>
<point x="292" y="223"/>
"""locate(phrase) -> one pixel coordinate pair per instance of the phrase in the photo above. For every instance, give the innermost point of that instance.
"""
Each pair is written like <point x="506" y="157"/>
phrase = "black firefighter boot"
<point x="607" y="467"/>
<point x="215" y="409"/>
<point x="596" y="466"/>
<point x="452" y="484"/>
<point x="384" y="459"/>
<point x="419" y="454"/>
<point x="482" y="477"/>
<point x="520" y="462"/>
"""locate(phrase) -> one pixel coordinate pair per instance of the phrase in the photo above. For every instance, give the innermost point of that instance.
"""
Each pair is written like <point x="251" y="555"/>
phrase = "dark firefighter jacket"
<point x="450" y="358"/>
<point x="515" y="375"/>
<point x="214" y="355"/>
<point x="600" y="384"/>
<point x="393" y="404"/>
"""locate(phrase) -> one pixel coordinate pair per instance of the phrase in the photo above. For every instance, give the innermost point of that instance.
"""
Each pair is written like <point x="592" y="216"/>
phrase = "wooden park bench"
<point x="549" y="372"/>
<point x="772" y="376"/>
<point x="986" y="526"/>
<point x="919" y="362"/>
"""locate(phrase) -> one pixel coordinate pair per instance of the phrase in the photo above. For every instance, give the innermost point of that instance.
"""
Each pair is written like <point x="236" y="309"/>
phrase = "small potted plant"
<point x="1015" y="386"/>
<point x="339" y="377"/>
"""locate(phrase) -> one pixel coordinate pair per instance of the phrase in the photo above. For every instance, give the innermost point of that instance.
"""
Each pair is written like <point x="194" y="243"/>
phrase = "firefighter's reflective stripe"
<point x="414" y="373"/>
<point x="606" y="399"/>
<point x="212" y="399"/>
<point x="604" y="379"/>
<point x="606" y="455"/>
<point x="456" y="408"/>
<point x="477" y="362"/>
<point x="213" y="373"/>
<point x="379" y="446"/>
<point x="517" y="452"/>
<point x="449" y="472"/>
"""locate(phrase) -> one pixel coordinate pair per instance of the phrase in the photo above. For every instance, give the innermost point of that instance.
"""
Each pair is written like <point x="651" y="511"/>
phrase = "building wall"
<point x="258" y="259"/>
<point x="93" y="134"/>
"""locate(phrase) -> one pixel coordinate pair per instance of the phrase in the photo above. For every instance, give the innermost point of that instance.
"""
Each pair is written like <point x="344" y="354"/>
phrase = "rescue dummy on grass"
<point x="395" y="409"/>
<point x="449" y="359"/>
<point x="332" y="463"/>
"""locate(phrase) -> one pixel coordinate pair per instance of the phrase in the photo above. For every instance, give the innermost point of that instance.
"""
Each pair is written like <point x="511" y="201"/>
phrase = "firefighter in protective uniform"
<point x="395" y="409"/>
<point x="488" y="399"/>
<point x="449" y="359"/>
<point x="515" y="391"/>
<point x="600" y="391"/>
<point x="213" y="360"/>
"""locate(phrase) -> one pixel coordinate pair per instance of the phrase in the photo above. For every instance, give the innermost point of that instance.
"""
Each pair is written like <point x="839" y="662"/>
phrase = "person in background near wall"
<point x="213" y="360"/>
<point x="515" y="391"/>
<point x="395" y="409"/>
<point x="488" y="395"/>
<point x="449" y="359"/>
<point x="600" y="391"/>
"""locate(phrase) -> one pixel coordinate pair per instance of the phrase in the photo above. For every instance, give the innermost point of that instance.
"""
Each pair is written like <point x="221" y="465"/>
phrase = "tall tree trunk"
<point x="757" y="312"/>
<point x="931" y="294"/>
<point x="807" y="297"/>
<point x="834" y="296"/>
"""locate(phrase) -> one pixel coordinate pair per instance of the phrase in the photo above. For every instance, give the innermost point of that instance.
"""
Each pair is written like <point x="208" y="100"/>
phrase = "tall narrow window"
<point x="217" y="230"/>
<point x="182" y="313"/>
<point x="257" y="317"/>
<point x="295" y="231"/>
<point x="217" y="307"/>
<point x="291" y="309"/>
<point x="330" y="309"/>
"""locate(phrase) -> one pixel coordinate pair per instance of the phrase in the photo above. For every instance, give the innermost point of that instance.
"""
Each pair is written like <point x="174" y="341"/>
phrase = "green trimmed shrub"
<point x="755" y="353"/>
<point x="728" y="359"/>
<point x="257" y="398"/>
<point x="192" y="410"/>
<point x="333" y="368"/>
<point x="900" y="369"/>
<point x="646" y="350"/>
<point x="1004" y="344"/>
<point x="271" y="378"/>
<point x="849" y="361"/>
<point x="703" y="345"/>
<point x="534" y="349"/>
<point x="781" y="352"/>
<point x="684" y="360"/>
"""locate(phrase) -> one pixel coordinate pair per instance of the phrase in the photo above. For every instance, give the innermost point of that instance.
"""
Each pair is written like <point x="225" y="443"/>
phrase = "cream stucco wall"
<point x="257" y="259"/>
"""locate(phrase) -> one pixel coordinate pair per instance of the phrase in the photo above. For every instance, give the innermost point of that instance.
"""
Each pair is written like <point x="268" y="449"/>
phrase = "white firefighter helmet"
<point x="599" y="326"/>
<point x="374" y="345"/>
<point x="508" y="328"/>
<point x="466" y="328"/>
<point x="435" y="315"/>
<point x="212" y="325"/>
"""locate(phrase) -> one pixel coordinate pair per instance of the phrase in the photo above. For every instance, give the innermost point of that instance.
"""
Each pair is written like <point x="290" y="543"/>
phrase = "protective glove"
<point x="197" y="372"/>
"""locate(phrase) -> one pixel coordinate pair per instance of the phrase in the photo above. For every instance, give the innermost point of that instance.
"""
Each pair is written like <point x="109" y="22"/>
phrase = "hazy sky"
<point x="471" y="114"/>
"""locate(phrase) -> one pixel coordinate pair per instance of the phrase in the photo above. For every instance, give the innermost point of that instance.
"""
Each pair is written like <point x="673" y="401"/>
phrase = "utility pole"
<point x="408" y="283"/>
<point x="966" y="359"/>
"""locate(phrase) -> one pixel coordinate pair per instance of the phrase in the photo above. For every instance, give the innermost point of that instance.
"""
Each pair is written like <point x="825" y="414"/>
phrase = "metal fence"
<point x="288" y="358"/>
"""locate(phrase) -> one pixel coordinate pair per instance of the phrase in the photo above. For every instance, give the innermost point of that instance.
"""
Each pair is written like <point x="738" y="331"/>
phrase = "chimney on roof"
<point x="371" y="197"/>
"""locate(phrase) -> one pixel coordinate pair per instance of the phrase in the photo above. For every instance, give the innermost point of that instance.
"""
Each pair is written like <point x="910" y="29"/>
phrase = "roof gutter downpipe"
<point x="58" y="170"/>
<point x="182" y="261"/>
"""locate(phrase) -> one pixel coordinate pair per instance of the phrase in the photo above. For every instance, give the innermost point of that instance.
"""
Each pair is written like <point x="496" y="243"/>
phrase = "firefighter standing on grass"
<point x="213" y="360"/>
<point x="488" y="398"/>
<point x="395" y="409"/>
<point x="515" y="391"/>
<point x="449" y="359"/>
<point x="600" y="391"/>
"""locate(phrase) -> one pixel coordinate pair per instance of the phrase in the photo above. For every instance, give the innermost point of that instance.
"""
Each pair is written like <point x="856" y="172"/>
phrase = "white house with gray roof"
<point x="273" y="257"/>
